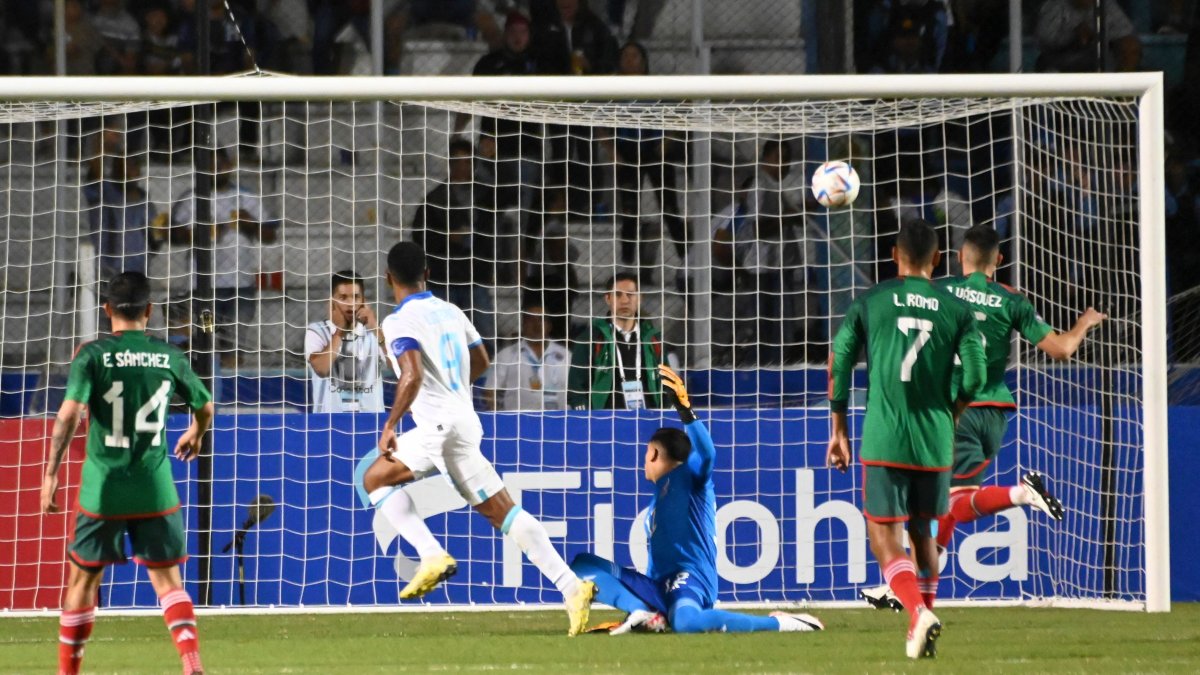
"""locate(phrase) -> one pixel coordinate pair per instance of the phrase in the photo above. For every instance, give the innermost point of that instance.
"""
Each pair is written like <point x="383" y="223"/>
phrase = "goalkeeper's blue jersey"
<point x="682" y="521"/>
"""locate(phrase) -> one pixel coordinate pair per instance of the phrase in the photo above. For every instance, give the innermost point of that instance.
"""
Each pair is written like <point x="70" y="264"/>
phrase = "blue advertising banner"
<point x="788" y="528"/>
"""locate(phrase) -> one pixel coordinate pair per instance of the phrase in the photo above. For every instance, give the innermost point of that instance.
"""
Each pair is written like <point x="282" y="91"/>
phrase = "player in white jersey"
<point x="343" y="352"/>
<point x="437" y="354"/>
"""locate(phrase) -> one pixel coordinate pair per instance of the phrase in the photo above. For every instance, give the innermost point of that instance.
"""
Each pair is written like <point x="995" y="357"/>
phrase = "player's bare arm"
<point x="188" y="446"/>
<point x="411" y="375"/>
<point x="1062" y="346"/>
<point x="479" y="361"/>
<point x="65" y="425"/>
<point x="838" y="453"/>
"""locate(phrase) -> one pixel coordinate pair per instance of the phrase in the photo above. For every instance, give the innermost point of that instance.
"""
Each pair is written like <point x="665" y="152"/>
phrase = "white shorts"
<point x="454" y="452"/>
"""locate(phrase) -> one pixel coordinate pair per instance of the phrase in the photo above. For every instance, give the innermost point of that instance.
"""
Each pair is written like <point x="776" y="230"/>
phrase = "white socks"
<point x="1019" y="495"/>
<point x="533" y="541"/>
<point x="398" y="508"/>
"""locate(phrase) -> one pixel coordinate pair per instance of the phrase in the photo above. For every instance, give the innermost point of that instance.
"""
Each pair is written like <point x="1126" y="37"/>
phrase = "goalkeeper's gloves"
<point x="672" y="380"/>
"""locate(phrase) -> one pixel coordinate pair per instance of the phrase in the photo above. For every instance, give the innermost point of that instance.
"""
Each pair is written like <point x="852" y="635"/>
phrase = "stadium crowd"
<point x="765" y="293"/>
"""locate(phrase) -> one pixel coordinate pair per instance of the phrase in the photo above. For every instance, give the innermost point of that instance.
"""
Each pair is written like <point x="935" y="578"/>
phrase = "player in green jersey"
<point x="999" y="311"/>
<point x="126" y="382"/>
<point x="912" y="331"/>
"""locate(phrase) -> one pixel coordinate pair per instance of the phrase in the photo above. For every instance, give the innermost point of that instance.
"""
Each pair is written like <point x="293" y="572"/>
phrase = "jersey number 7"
<point x="924" y="328"/>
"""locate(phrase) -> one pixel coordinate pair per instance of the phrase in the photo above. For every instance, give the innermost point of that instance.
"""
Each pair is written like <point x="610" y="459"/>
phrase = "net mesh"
<point x="247" y="209"/>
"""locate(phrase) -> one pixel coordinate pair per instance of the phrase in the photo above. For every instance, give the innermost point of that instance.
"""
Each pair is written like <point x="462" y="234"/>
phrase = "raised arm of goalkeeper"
<point x="700" y="461"/>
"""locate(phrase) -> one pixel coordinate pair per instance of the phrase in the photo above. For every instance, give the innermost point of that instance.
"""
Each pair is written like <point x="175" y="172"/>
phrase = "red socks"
<point x="970" y="505"/>
<point x="74" y="629"/>
<point x="181" y="621"/>
<point x="928" y="587"/>
<point x="901" y="575"/>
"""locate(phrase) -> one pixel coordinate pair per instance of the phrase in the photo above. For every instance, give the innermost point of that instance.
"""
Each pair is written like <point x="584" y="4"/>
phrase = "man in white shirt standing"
<point x="530" y="374"/>
<point x="343" y="352"/>
<point x="437" y="354"/>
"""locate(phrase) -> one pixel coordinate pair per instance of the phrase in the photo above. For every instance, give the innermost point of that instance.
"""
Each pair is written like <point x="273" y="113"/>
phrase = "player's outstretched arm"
<point x="411" y="375"/>
<point x="1062" y="346"/>
<point x="188" y="446"/>
<point x="60" y="439"/>
<point x="703" y="452"/>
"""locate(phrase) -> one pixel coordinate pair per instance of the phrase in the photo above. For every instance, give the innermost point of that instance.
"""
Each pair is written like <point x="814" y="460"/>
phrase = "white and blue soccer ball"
<point x="835" y="184"/>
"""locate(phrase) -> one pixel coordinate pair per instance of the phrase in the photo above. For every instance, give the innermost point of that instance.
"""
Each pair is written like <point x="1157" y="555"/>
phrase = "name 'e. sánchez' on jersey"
<point x="129" y="359"/>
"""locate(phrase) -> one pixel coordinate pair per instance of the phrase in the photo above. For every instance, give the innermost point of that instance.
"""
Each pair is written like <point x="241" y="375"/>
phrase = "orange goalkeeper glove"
<point x="672" y="380"/>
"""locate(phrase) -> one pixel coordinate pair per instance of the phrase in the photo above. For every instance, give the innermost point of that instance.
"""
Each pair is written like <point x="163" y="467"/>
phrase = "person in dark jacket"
<point x="614" y="364"/>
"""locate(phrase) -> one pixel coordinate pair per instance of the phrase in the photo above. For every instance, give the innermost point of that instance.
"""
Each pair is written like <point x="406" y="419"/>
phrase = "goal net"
<point x="242" y="198"/>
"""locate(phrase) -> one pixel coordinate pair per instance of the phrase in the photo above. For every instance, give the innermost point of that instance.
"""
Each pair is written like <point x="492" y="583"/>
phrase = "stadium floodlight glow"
<point x="339" y="169"/>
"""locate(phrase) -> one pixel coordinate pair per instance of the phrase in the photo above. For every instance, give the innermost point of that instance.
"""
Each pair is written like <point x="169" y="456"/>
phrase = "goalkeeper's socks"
<point x="928" y="586"/>
<point x="398" y="507"/>
<point x="180" y="618"/>
<point x="533" y="541"/>
<point x="74" y="629"/>
<point x="987" y="501"/>
<point x="901" y="575"/>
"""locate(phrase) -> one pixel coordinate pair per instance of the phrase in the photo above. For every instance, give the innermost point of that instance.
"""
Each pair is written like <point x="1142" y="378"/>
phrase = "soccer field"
<point x="975" y="640"/>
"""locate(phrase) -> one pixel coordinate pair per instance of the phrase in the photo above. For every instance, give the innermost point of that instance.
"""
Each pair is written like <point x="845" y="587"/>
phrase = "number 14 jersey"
<point x="127" y="381"/>
<point x="912" y="331"/>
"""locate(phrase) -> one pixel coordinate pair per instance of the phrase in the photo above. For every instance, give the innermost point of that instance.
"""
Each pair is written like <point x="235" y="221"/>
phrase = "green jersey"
<point x="999" y="310"/>
<point x="912" y="331"/>
<point x="127" y="381"/>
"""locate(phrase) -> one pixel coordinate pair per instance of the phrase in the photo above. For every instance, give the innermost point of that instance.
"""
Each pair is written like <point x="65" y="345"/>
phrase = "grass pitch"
<point x="976" y="640"/>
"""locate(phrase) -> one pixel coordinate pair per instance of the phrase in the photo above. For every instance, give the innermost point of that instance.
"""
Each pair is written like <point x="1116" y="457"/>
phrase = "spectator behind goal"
<point x="344" y="352"/>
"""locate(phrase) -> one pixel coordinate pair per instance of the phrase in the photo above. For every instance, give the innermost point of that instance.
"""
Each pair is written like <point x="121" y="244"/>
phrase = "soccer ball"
<point x="835" y="184"/>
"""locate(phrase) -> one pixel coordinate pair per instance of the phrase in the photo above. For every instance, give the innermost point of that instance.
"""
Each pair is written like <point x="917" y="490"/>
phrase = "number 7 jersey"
<point x="912" y="330"/>
<point x="444" y="336"/>
<point x="127" y="381"/>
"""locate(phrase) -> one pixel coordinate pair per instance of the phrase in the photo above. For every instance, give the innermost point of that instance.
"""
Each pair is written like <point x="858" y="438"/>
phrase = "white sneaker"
<point x="922" y="639"/>
<point x="1039" y="497"/>
<point x="881" y="597"/>
<point x="643" y="622"/>
<point x="798" y="623"/>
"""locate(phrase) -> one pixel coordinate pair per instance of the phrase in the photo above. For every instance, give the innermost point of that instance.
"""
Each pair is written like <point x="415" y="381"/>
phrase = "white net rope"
<point x="248" y="209"/>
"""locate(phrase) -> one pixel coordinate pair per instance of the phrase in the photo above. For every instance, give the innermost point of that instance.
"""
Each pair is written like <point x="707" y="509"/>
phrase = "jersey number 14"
<point x="156" y="406"/>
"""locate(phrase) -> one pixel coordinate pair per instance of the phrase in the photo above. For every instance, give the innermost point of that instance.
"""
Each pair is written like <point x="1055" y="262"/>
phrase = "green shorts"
<point x="158" y="541"/>
<point x="893" y="495"/>
<point x="977" y="439"/>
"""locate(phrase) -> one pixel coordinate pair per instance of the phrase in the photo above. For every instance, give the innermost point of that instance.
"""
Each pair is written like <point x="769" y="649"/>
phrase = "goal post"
<point x="339" y="169"/>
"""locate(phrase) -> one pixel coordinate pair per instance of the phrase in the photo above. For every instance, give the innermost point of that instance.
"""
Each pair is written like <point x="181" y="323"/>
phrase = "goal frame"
<point x="1147" y="88"/>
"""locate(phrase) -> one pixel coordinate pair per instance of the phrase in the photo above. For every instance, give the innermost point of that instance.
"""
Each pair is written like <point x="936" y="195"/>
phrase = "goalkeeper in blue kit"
<point x="680" y="585"/>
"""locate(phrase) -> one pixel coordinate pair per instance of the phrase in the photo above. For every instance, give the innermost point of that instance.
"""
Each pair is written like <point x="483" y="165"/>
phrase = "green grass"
<point x="976" y="640"/>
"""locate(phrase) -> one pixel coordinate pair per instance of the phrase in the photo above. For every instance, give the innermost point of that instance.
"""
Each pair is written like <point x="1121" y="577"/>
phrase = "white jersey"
<point x="525" y="382"/>
<point x="355" y="382"/>
<point x="445" y="337"/>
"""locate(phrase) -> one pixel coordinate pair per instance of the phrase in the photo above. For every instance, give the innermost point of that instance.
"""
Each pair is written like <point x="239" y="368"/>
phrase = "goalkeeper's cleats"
<point x="641" y="621"/>
<point x="881" y="597"/>
<point x="1039" y="497"/>
<point x="798" y="623"/>
<point x="923" y="636"/>
<point x="672" y="381"/>
<point x="430" y="573"/>
<point x="579" y="605"/>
